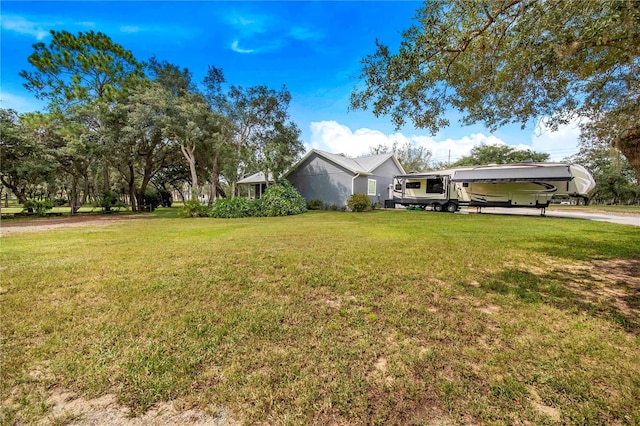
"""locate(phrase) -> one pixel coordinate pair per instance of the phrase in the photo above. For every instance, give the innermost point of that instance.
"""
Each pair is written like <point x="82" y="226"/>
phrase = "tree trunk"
<point x="73" y="199"/>
<point x="132" y="189"/>
<point x="215" y="179"/>
<point x="188" y="154"/>
<point x="628" y="143"/>
<point x="106" y="186"/>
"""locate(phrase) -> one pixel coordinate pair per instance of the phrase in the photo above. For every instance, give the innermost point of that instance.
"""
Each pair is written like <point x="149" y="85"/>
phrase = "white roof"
<point x="360" y="165"/>
<point x="256" y="178"/>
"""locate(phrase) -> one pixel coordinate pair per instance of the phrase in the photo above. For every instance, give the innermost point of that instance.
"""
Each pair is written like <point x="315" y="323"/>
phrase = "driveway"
<point x="628" y="219"/>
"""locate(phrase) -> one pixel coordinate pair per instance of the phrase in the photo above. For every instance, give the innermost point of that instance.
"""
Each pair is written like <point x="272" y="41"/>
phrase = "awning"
<point x="559" y="172"/>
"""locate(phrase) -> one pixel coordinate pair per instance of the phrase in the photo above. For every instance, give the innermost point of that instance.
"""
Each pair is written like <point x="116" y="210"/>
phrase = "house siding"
<point x="383" y="175"/>
<point x="319" y="179"/>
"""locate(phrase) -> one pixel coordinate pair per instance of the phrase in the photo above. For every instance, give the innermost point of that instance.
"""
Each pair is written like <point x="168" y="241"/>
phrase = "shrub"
<point x="281" y="199"/>
<point x="152" y="200"/>
<point x="314" y="204"/>
<point x="109" y="199"/>
<point x="193" y="208"/>
<point x="40" y="207"/>
<point x="359" y="203"/>
<point x="232" y="207"/>
<point x="166" y="199"/>
<point x="59" y="202"/>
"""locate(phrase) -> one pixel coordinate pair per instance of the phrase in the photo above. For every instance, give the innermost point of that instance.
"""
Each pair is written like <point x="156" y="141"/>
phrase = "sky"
<point x="313" y="48"/>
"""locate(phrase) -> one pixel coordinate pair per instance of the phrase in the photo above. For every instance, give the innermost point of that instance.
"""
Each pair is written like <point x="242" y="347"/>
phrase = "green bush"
<point x="151" y="200"/>
<point x="40" y="207"/>
<point x="359" y="203"/>
<point x="281" y="199"/>
<point x="314" y="205"/>
<point x="59" y="202"/>
<point x="193" y="208"/>
<point x="232" y="207"/>
<point x="166" y="199"/>
<point x="108" y="200"/>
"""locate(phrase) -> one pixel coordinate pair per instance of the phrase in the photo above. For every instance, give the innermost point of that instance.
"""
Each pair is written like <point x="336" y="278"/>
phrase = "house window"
<point x="371" y="187"/>
<point x="413" y="185"/>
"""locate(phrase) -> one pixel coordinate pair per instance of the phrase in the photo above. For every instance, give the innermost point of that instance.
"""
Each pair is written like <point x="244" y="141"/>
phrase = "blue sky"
<point x="314" y="48"/>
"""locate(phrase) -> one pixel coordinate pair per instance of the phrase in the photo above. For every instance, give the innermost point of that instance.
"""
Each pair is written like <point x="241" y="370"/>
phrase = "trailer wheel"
<point x="437" y="207"/>
<point x="451" y="207"/>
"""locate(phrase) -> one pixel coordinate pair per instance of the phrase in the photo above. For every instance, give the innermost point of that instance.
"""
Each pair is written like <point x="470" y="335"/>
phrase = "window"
<point x="413" y="185"/>
<point x="435" y="186"/>
<point x="371" y="187"/>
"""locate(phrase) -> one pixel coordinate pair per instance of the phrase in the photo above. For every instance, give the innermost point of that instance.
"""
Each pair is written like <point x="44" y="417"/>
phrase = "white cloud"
<point x="302" y="34"/>
<point x="129" y="29"/>
<point x="267" y="33"/>
<point x="235" y="48"/>
<point x="334" y="137"/>
<point x="559" y="144"/>
<point x="21" y="25"/>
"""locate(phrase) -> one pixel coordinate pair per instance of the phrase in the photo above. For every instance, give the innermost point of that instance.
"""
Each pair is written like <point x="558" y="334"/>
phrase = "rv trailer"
<point x="507" y="185"/>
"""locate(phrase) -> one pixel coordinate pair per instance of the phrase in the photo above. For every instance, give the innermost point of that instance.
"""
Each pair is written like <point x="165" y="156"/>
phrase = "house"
<point x="256" y="184"/>
<point x="333" y="178"/>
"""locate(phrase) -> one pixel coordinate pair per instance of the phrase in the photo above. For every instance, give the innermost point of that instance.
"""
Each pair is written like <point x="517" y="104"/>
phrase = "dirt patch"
<point x="66" y="407"/>
<point x="36" y="225"/>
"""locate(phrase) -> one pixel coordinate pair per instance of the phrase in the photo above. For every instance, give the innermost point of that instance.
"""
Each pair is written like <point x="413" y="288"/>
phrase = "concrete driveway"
<point x="630" y="219"/>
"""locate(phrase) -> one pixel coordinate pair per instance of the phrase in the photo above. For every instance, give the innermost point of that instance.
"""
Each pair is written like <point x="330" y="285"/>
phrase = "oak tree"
<point x="513" y="61"/>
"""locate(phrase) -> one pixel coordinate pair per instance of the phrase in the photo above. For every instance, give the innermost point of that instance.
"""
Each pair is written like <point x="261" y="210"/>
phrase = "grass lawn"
<point x="388" y="317"/>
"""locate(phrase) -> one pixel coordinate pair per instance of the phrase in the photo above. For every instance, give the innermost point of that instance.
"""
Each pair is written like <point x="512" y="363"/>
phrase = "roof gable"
<point x="360" y="165"/>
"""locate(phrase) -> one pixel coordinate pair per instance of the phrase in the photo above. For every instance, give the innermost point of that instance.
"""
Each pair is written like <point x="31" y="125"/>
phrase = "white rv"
<point x="506" y="185"/>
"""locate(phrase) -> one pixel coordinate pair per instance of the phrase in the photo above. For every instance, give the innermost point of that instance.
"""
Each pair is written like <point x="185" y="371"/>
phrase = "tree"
<point x="145" y="141"/>
<point x="499" y="154"/>
<point x="77" y="71"/>
<point x="23" y="161"/>
<point x="513" y="61"/>
<point x="67" y="144"/>
<point x="259" y="117"/>
<point x="277" y="148"/>
<point x="413" y="158"/>
<point x="614" y="176"/>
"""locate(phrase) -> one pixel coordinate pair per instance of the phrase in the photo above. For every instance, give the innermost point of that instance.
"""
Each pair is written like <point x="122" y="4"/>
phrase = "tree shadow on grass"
<point x="623" y="242"/>
<point x="608" y="289"/>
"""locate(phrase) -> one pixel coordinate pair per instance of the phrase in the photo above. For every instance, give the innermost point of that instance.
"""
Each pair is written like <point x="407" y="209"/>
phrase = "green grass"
<point x="388" y="317"/>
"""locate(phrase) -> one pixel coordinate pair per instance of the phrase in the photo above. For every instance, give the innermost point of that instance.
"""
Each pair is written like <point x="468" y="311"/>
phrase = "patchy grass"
<point x="387" y="317"/>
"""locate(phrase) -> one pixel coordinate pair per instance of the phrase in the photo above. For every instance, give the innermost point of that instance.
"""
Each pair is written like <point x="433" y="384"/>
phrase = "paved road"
<point x="602" y="217"/>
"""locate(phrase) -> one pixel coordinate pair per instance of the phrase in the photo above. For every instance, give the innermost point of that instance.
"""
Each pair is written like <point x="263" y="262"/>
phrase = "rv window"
<point x="465" y="184"/>
<point x="413" y="185"/>
<point x="398" y="187"/>
<point x="435" y="186"/>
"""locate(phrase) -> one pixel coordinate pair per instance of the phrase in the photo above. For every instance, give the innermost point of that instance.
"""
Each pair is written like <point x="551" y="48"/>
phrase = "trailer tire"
<point x="437" y="207"/>
<point x="451" y="207"/>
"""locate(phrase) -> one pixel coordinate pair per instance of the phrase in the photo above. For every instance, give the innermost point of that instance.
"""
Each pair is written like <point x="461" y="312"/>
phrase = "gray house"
<point x="333" y="178"/>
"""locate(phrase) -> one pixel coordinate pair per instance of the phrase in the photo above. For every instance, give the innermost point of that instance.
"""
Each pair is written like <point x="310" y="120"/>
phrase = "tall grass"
<point x="385" y="317"/>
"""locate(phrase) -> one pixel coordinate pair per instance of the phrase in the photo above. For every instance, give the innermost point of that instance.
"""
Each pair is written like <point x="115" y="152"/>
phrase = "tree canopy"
<point x="514" y="61"/>
<point x="498" y="154"/>
<point x="413" y="158"/>
<point x="135" y="124"/>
